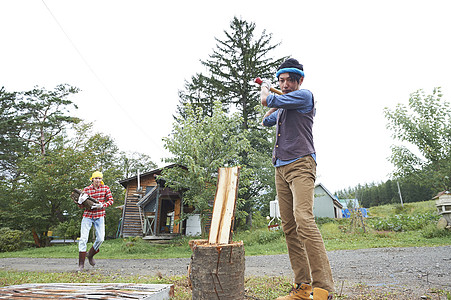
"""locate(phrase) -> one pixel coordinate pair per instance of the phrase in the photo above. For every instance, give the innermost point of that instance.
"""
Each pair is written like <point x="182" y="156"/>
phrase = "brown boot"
<point x="81" y="260"/>
<point x="301" y="291"/>
<point x="90" y="256"/>
<point x="321" y="294"/>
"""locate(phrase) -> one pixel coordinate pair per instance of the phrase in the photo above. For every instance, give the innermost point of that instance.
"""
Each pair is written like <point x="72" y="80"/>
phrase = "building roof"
<point x="125" y="181"/>
<point x="441" y="194"/>
<point x="333" y="197"/>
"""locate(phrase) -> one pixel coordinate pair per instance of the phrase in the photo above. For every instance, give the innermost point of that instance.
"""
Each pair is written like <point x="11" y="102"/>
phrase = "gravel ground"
<point x="390" y="273"/>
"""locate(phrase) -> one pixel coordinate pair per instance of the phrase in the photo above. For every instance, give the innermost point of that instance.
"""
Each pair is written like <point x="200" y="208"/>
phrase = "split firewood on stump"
<point x="217" y="265"/>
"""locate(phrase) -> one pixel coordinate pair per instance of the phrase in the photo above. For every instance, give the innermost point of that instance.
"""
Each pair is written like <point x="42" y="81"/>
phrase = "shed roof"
<point x="333" y="197"/>
<point x="125" y="181"/>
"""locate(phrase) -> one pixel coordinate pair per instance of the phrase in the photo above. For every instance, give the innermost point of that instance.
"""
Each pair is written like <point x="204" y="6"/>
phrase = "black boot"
<point x="81" y="260"/>
<point x="90" y="256"/>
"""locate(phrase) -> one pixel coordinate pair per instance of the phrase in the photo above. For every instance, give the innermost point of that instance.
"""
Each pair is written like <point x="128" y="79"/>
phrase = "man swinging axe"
<point x="294" y="158"/>
<point x="94" y="215"/>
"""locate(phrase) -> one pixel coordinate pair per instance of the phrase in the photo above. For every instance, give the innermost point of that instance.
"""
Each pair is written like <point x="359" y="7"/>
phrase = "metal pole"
<point x="400" y="196"/>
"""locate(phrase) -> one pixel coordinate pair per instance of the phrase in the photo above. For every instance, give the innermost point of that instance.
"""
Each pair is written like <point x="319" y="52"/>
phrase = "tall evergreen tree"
<point x="238" y="59"/>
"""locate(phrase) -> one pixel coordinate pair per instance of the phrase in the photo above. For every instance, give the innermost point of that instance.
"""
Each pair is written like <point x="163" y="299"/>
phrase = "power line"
<point x="100" y="80"/>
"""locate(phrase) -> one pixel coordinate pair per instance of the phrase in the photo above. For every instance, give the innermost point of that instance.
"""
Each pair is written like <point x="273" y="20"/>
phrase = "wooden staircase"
<point x="131" y="221"/>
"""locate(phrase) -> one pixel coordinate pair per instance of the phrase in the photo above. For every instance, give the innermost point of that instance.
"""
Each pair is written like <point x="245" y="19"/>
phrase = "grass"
<point x="337" y="235"/>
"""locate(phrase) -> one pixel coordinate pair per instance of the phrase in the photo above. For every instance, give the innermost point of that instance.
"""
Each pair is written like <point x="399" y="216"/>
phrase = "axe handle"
<point x="259" y="81"/>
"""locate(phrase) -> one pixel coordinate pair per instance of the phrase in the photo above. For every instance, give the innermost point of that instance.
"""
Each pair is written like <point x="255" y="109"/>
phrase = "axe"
<point x="259" y="81"/>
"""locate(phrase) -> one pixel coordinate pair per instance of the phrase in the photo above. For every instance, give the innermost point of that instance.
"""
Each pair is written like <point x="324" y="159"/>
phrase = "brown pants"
<point x="295" y="184"/>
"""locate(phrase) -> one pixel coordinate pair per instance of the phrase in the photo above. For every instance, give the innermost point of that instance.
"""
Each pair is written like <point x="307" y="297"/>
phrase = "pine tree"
<point x="238" y="59"/>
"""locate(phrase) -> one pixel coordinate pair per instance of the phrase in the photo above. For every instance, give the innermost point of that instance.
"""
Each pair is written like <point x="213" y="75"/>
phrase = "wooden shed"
<point x="150" y="209"/>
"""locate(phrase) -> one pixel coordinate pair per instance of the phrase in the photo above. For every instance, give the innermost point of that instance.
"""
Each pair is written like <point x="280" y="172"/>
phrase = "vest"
<point x="294" y="137"/>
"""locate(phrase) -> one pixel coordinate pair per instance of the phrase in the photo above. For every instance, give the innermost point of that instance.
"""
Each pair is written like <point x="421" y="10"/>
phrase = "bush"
<point x="404" y="222"/>
<point x="260" y="236"/>
<point x="432" y="231"/>
<point x="324" y="220"/>
<point x="68" y="229"/>
<point x="10" y="240"/>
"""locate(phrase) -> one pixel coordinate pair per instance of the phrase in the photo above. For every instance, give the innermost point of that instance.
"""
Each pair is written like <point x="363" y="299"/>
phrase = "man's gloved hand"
<point x="97" y="206"/>
<point x="82" y="198"/>
<point x="266" y="83"/>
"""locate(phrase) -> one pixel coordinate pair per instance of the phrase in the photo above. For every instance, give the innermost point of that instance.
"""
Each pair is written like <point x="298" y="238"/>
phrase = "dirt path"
<point x="414" y="271"/>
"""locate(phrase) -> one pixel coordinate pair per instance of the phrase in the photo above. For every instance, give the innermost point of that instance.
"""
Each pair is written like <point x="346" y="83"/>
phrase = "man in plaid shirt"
<point x="94" y="216"/>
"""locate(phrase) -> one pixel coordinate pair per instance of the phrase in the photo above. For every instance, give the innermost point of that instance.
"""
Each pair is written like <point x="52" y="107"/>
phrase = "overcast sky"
<point x="130" y="59"/>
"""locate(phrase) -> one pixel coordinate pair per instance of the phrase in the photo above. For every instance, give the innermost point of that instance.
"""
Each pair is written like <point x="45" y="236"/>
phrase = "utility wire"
<point x="100" y="80"/>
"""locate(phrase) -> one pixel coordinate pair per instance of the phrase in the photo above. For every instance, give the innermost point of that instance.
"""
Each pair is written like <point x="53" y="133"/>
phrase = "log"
<point x="88" y="202"/>
<point x="224" y="206"/>
<point x="217" y="271"/>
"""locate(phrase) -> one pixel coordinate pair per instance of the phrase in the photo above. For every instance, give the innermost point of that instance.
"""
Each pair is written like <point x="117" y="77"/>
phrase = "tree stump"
<point x="217" y="270"/>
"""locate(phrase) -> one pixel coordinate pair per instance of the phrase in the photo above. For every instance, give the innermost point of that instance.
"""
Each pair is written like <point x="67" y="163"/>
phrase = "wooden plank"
<point x="229" y="207"/>
<point x="88" y="291"/>
<point x="224" y="205"/>
<point x="217" y="208"/>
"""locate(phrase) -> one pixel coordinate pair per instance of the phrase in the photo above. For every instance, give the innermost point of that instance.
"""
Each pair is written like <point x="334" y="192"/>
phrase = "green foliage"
<point x="201" y="145"/>
<point x="432" y="231"/>
<point x="134" y="245"/>
<point x="262" y="237"/>
<point x="11" y="146"/>
<point x="425" y="125"/>
<point x="238" y="58"/>
<point x="59" y="154"/>
<point x="45" y="114"/>
<point x="323" y="220"/>
<point x="402" y="222"/>
<point x="371" y="195"/>
<point x="259" y="221"/>
<point x="133" y="162"/>
<point x="10" y="240"/>
<point x="69" y="228"/>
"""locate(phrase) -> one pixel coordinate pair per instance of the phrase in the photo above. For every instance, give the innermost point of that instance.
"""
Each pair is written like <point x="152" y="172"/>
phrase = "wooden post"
<point x="217" y="271"/>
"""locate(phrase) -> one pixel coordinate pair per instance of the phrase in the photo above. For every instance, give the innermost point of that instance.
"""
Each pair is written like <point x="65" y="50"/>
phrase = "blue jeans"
<point x="86" y="224"/>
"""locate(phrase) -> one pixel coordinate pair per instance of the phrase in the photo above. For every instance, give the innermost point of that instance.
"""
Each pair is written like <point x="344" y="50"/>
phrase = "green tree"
<point x="44" y="114"/>
<point x="132" y="162"/>
<point x="424" y="126"/>
<point x="238" y="58"/>
<point x="11" y="146"/>
<point x="200" y="145"/>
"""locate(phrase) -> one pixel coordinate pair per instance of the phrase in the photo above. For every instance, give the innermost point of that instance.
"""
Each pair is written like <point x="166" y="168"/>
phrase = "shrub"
<point x="432" y="231"/>
<point x="260" y="236"/>
<point x="10" y="240"/>
<point x="324" y="220"/>
<point x="403" y="222"/>
<point x="68" y="229"/>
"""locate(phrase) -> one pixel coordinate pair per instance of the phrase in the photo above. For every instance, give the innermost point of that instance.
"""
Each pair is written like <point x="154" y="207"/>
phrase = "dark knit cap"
<point x="291" y="63"/>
